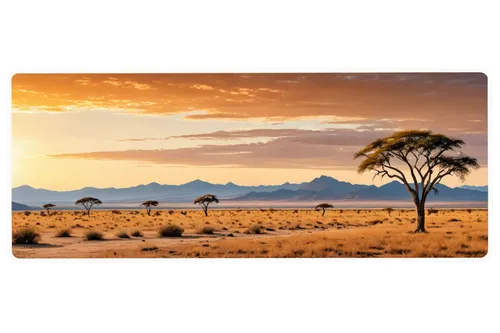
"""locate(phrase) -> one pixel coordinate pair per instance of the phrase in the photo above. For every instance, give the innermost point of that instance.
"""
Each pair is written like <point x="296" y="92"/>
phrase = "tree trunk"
<point x="420" y="218"/>
<point x="88" y="212"/>
<point x="323" y="212"/>
<point x="205" y="209"/>
<point x="149" y="211"/>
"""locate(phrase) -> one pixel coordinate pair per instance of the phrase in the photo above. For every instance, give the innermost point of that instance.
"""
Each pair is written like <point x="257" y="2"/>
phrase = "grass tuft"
<point x="25" y="236"/>
<point x="64" y="233"/>
<point x="171" y="230"/>
<point x="94" y="235"/>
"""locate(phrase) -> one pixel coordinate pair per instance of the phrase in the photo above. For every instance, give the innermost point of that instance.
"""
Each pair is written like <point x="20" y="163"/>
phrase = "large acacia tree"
<point x="420" y="160"/>
<point x="87" y="203"/>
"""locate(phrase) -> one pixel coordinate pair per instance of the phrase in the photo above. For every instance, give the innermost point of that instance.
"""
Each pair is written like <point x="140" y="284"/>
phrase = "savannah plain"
<point x="256" y="233"/>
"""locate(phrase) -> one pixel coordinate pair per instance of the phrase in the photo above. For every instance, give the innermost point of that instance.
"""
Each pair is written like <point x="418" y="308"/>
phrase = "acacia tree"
<point x="87" y="203"/>
<point x="148" y="204"/>
<point x="206" y="200"/>
<point x="323" y="206"/>
<point x="422" y="155"/>
<point x="48" y="207"/>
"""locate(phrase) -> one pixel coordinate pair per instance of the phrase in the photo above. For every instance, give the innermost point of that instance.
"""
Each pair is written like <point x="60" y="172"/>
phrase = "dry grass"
<point x="282" y="233"/>
<point x="94" y="235"/>
<point x="171" y="230"/>
<point x="64" y="233"/>
<point x="25" y="236"/>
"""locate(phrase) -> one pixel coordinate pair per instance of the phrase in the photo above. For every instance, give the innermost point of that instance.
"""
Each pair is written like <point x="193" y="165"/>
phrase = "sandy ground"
<point x="285" y="233"/>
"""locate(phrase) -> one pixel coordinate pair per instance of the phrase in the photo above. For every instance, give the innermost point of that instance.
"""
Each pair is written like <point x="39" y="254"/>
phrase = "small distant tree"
<point x="323" y="207"/>
<point x="388" y="210"/>
<point x="424" y="156"/>
<point x="148" y="204"/>
<point x="48" y="207"/>
<point x="206" y="200"/>
<point x="88" y="202"/>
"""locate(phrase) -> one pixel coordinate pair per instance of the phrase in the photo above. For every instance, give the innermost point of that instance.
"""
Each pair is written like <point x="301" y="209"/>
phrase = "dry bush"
<point x="207" y="230"/>
<point x="64" y="233"/>
<point x="137" y="233"/>
<point x="27" y="213"/>
<point x="94" y="235"/>
<point x="171" y="230"/>
<point x="25" y="236"/>
<point x="255" y="229"/>
<point x="122" y="234"/>
<point x="152" y="248"/>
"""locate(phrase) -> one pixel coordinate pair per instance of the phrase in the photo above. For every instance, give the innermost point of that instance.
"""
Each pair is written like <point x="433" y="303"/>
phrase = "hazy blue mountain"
<point x="153" y="191"/>
<point x="321" y="188"/>
<point x="330" y="189"/>
<point x="19" y="206"/>
<point x="475" y="188"/>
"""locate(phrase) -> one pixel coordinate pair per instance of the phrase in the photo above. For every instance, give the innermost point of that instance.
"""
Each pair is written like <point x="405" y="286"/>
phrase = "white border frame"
<point x="488" y="70"/>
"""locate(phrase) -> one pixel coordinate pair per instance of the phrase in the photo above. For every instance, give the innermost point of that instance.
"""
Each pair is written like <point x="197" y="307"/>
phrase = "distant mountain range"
<point x="19" y="206"/>
<point x="327" y="188"/>
<point x="475" y="188"/>
<point x="321" y="188"/>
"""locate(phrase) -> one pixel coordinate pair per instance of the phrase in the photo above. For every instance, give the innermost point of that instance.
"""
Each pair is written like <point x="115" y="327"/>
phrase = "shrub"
<point x="137" y="233"/>
<point x="469" y="210"/>
<point x="25" y="236"/>
<point x="255" y="229"/>
<point x="122" y="234"/>
<point x="27" y="213"/>
<point x="153" y="248"/>
<point x="94" y="235"/>
<point x="208" y="230"/>
<point x="64" y="233"/>
<point x="171" y="230"/>
<point x="432" y="211"/>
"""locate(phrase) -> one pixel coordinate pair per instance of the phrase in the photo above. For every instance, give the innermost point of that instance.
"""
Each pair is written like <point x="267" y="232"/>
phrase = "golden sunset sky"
<point x="118" y="130"/>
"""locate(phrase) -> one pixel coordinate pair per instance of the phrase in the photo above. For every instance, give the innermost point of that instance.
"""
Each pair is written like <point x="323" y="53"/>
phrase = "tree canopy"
<point x="419" y="159"/>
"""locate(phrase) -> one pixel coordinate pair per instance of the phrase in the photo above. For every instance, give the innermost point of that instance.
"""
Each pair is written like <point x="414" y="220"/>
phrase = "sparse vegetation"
<point x="137" y="233"/>
<point x="122" y="234"/>
<point x="431" y="211"/>
<point x="25" y="236"/>
<point x="171" y="230"/>
<point x="255" y="229"/>
<point x="388" y="210"/>
<point x="94" y="235"/>
<point x="64" y="233"/>
<point x="208" y="230"/>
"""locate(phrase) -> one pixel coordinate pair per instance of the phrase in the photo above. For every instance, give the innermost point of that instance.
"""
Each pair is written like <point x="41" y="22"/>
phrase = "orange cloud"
<point x="448" y="100"/>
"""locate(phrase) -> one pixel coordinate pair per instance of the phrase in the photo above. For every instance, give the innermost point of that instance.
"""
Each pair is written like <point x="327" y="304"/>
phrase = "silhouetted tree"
<point x="148" y="204"/>
<point x="323" y="206"/>
<point x="206" y="200"/>
<point x="87" y="203"/>
<point x="48" y="207"/>
<point x="422" y="155"/>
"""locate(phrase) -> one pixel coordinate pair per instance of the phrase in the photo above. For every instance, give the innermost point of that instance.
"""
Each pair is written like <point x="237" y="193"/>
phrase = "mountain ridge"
<point x="320" y="188"/>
